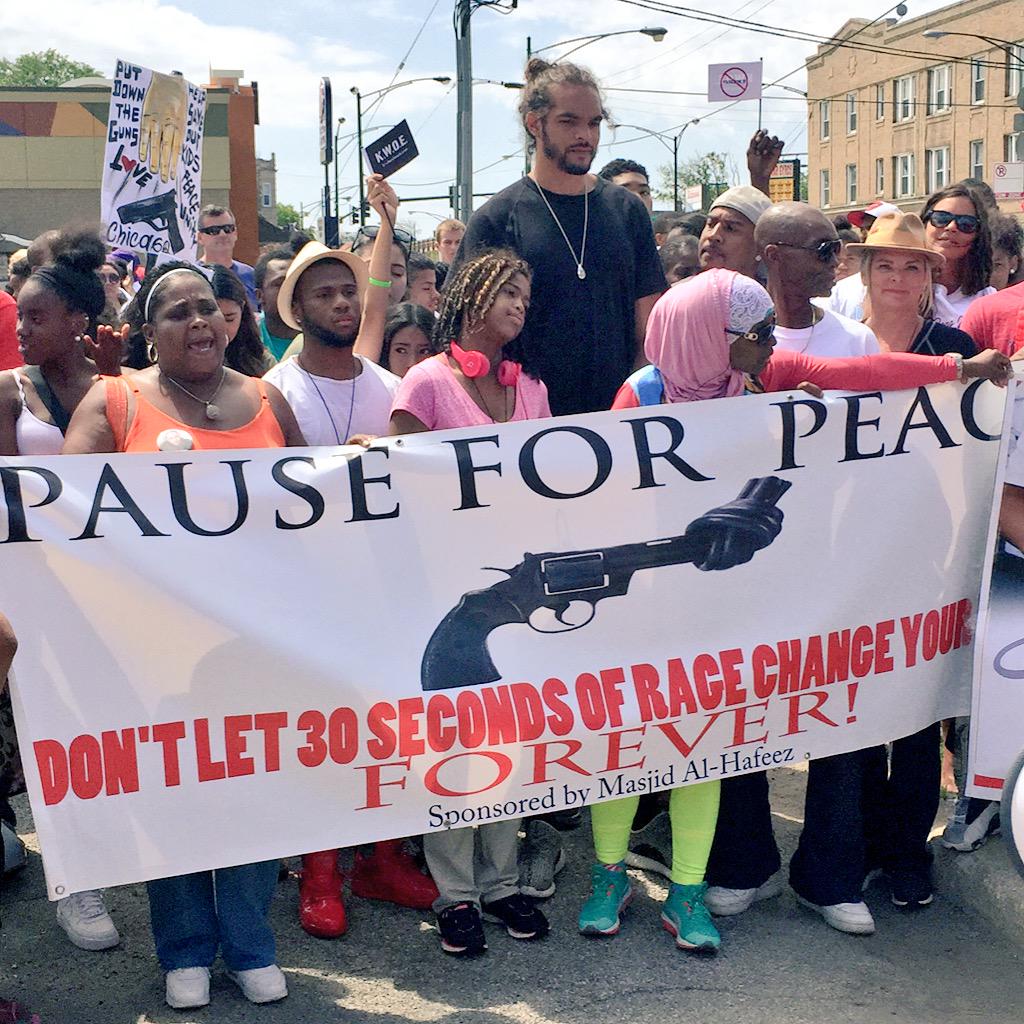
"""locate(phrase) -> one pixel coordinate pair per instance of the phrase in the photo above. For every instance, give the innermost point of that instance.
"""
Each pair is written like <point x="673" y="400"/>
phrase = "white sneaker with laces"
<point x="852" y="918"/>
<point x="724" y="902"/>
<point x="84" y="918"/>
<point x="261" y="984"/>
<point x="187" y="987"/>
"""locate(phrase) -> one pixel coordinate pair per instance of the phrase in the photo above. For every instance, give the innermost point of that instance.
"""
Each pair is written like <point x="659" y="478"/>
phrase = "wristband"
<point x="379" y="284"/>
<point x="958" y="361"/>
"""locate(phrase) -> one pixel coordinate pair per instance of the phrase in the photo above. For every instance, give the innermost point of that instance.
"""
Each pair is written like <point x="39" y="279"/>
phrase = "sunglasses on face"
<point x="966" y="223"/>
<point x="369" y="231"/>
<point x="761" y="332"/>
<point x="825" y="251"/>
<point x="216" y="229"/>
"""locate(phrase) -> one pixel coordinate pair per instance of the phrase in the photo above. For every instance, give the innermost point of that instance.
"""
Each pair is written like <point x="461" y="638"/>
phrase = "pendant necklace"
<point x="817" y="315"/>
<point x="327" y="408"/>
<point x="580" y="272"/>
<point x="212" y="410"/>
<point x="487" y="408"/>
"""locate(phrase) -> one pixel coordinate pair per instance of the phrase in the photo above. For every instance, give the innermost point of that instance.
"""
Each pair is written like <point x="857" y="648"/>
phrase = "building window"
<point x="1014" y="64"/>
<point x="936" y="168"/>
<point x="851" y="183"/>
<point x="903" y="99"/>
<point x="939" y="89"/>
<point x="903" y="175"/>
<point x="977" y="161"/>
<point x="977" y="81"/>
<point x="880" y="101"/>
<point x="825" y="117"/>
<point x="1013" y="147"/>
<point x="265" y="197"/>
<point x="880" y="176"/>
<point x="826" y="189"/>
<point x="851" y="113"/>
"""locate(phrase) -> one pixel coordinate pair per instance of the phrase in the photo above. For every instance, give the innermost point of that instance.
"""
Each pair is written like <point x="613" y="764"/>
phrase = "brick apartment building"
<point x="51" y="155"/>
<point x="885" y="125"/>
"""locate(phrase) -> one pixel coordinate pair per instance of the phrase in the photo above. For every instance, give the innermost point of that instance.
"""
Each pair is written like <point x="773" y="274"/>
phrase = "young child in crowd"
<point x="473" y="382"/>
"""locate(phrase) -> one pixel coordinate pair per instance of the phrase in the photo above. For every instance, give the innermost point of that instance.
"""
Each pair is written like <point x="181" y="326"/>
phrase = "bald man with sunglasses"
<point x="799" y="247"/>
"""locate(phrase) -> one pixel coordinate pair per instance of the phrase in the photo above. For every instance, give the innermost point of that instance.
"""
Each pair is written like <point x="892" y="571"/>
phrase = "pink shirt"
<point x="431" y="393"/>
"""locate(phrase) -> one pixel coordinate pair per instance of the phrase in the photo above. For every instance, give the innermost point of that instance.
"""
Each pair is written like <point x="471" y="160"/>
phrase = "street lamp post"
<point x="661" y="137"/>
<point x="655" y="34"/>
<point x="337" y="202"/>
<point x="360" y="96"/>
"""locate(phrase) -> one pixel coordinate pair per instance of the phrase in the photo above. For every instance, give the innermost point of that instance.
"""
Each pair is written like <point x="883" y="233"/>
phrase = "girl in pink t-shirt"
<point x="472" y="383"/>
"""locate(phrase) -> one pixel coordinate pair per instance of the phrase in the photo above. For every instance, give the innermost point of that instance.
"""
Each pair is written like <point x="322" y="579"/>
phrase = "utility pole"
<point x="464" y="115"/>
<point x="359" y="155"/>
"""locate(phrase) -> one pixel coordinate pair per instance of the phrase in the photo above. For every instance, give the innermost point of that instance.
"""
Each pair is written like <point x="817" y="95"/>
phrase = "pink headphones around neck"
<point x="476" y="364"/>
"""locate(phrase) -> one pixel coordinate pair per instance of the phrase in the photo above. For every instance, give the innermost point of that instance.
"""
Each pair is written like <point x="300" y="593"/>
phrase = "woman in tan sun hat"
<point x="898" y="268"/>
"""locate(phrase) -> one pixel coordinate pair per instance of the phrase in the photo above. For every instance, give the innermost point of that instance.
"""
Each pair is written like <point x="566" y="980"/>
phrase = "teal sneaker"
<point x="611" y="895"/>
<point x="685" y="916"/>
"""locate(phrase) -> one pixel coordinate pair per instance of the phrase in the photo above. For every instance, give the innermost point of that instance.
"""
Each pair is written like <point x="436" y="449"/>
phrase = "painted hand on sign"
<point x="725" y="537"/>
<point x="163" y="123"/>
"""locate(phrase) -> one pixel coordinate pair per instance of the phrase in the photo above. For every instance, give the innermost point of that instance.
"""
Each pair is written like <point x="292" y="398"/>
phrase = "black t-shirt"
<point x="935" y="339"/>
<point x="580" y="336"/>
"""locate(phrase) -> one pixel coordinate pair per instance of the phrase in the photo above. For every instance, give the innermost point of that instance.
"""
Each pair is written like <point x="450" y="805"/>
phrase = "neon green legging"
<point x="693" y="811"/>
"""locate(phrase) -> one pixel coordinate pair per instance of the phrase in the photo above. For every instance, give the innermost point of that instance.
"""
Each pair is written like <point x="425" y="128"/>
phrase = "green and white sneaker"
<point x="687" y="919"/>
<point x="611" y="894"/>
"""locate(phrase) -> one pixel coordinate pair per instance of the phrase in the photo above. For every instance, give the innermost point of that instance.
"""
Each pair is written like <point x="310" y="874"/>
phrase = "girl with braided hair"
<point x="473" y="381"/>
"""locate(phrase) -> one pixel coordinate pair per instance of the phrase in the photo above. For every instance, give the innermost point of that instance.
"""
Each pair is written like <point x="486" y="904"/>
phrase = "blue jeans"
<point x="193" y="915"/>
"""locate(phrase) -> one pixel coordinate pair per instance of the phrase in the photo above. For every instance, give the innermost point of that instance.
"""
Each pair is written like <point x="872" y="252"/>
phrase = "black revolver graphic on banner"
<point x="729" y="535"/>
<point x="159" y="212"/>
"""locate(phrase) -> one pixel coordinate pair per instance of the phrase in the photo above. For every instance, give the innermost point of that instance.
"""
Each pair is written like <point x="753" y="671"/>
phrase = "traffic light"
<point x="355" y="215"/>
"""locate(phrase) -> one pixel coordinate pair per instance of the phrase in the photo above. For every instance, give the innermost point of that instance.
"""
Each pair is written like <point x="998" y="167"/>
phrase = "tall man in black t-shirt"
<point x="596" y="272"/>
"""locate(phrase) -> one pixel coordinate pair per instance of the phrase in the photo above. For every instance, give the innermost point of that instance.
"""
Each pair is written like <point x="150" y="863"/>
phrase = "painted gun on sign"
<point x="729" y="535"/>
<point x="159" y="212"/>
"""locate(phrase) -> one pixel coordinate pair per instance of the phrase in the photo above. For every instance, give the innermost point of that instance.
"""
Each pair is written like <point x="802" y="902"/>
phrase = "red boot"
<point x="321" y="912"/>
<point x="389" y="873"/>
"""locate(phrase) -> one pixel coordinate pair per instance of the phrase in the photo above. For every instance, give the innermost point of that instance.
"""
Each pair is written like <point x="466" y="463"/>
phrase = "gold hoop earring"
<point x="151" y="353"/>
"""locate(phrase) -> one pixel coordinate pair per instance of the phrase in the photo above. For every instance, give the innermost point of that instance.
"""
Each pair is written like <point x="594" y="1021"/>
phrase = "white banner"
<point x="152" y="166"/>
<point x="739" y="81"/>
<point x="228" y="657"/>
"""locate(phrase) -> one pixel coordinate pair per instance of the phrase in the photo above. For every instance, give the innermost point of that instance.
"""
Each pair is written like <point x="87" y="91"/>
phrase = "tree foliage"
<point x="288" y="216"/>
<point x="705" y="169"/>
<point x="44" y="68"/>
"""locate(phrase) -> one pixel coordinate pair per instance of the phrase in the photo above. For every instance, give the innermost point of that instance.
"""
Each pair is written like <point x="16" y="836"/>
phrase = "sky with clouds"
<point x="287" y="47"/>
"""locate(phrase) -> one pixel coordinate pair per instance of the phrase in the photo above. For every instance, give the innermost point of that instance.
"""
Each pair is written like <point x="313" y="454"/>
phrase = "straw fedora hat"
<point x="903" y="231"/>
<point x="310" y="253"/>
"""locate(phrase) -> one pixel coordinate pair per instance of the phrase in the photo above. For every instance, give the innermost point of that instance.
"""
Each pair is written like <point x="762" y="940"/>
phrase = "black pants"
<point x="744" y="854"/>
<point x="901" y="801"/>
<point x="829" y="864"/>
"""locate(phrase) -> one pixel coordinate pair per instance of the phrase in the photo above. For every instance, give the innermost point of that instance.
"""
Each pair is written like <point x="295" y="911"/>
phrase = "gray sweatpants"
<point x="473" y="864"/>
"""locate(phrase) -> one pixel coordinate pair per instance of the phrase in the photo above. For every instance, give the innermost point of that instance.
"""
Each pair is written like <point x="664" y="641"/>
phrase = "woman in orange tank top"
<point x="188" y="391"/>
<point x="190" y="400"/>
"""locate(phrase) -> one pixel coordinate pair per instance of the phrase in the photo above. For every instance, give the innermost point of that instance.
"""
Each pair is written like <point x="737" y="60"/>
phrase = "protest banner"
<point x="997" y="712"/>
<point x="229" y="657"/>
<point x="152" y="165"/>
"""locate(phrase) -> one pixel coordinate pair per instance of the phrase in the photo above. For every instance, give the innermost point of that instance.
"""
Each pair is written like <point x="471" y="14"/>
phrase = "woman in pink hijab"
<point x="712" y="337"/>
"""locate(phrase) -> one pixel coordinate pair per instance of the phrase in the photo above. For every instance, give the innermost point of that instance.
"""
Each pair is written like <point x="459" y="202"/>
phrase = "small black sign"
<point x="393" y="151"/>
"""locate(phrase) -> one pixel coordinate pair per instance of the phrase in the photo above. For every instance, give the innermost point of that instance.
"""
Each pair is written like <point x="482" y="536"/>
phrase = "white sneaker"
<point x="261" y="984"/>
<point x="852" y="918"/>
<point x="724" y="902"/>
<point x="187" y="988"/>
<point x="84" y="918"/>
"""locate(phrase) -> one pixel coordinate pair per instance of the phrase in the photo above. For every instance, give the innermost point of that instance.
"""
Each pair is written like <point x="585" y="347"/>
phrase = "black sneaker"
<point x="565" y="820"/>
<point x="519" y="915"/>
<point x="911" y="889"/>
<point x="462" y="933"/>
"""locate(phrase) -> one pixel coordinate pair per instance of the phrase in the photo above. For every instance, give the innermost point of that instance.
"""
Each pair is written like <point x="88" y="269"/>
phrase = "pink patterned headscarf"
<point x="686" y="338"/>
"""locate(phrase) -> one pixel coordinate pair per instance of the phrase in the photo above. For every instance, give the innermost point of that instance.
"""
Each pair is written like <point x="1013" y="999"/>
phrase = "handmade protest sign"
<point x="391" y="152"/>
<point x="248" y="648"/>
<point x="153" y="163"/>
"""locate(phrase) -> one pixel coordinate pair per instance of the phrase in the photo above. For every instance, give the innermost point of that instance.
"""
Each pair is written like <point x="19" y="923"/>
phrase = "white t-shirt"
<point x="832" y="335"/>
<point x="324" y="406"/>
<point x="949" y="308"/>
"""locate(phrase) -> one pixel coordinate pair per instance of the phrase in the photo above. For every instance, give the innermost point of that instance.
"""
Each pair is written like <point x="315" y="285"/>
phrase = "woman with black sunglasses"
<point x="956" y="225"/>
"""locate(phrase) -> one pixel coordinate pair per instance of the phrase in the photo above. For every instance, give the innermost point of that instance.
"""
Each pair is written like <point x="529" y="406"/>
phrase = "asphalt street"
<point x="780" y="964"/>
